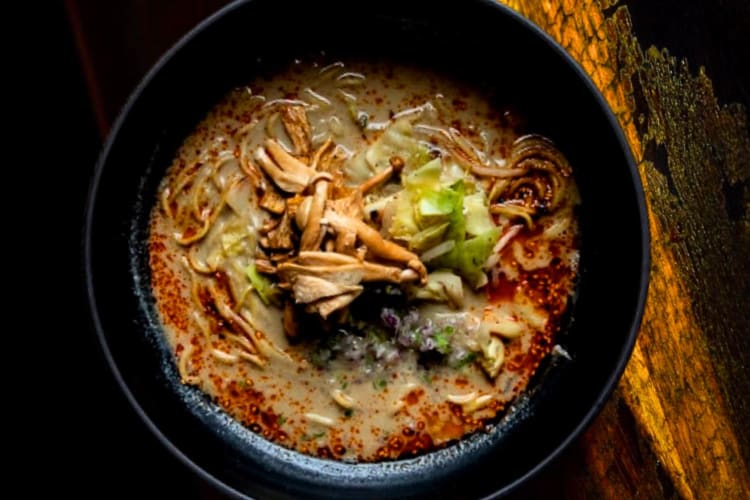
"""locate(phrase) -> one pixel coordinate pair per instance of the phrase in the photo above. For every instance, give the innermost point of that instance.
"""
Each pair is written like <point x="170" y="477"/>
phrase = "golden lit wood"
<point x="671" y="385"/>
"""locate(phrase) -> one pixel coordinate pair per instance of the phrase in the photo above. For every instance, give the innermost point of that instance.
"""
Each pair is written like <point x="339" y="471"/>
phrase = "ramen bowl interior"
<point x="479" y="41"/>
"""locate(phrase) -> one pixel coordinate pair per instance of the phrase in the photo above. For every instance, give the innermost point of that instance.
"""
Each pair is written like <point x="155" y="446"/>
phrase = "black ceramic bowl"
<point x="477" y="39"/>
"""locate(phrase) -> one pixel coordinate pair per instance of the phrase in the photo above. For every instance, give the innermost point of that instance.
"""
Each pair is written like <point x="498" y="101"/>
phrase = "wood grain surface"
<point x="678" y="424"/>
<point x="686" y="385"/>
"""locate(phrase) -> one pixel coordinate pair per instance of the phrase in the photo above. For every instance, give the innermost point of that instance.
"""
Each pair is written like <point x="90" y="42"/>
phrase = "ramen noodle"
<point x="363" y="261"/>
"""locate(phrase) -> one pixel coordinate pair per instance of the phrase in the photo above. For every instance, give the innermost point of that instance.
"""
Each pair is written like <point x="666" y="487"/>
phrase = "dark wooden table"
<point x="677" y="75"/>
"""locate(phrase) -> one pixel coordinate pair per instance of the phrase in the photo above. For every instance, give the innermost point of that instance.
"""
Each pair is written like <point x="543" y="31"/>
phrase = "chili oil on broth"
<point x="389" y="376"/>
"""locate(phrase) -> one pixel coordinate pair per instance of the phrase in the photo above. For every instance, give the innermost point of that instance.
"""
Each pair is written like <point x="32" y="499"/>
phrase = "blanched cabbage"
<point x="404" y="224"/>
<point x="429" y="211"/>
<point x="474" y="254"/>
<point x="478" y="219"/>
<point x="425" y="178"/>
<point x="233" y="242"/>
<point x="441" y="286"/>
<point x="438" y="206"/>
<point x="397" y="140"/>
<point x="266" y="290"/>
<point x="428" y="238"/>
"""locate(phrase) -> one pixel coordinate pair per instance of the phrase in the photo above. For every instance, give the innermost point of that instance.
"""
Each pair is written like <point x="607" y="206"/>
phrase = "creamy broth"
<point x="313" y="330"/>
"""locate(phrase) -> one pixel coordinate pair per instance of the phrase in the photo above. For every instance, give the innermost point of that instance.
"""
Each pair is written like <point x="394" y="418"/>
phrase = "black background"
<point x="93" y="444"/>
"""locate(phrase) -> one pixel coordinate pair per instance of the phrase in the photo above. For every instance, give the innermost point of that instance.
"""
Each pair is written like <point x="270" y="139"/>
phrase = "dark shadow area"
<point x="712" y="34"/>
<point x="99" y="447"/>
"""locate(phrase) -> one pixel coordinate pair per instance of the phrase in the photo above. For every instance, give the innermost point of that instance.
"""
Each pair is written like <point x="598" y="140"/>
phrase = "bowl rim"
<point x="526" y="24"/>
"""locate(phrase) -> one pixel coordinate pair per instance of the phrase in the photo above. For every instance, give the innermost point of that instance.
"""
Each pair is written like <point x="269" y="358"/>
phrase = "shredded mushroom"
<point x="542" y="188"/>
